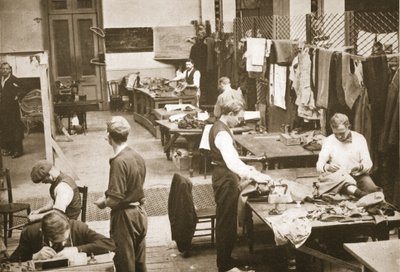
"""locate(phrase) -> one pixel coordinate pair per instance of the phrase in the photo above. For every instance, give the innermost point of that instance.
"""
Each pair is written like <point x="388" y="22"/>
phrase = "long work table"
<point x="364" y="226"/>
<point x="145" y="101"/>
<point x="69" y="109"/>
<point x="277" y="154"/>
<point x="170" y="132"/>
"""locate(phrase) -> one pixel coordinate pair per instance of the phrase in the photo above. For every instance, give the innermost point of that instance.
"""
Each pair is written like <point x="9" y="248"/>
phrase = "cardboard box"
<point x="290" y="139"/>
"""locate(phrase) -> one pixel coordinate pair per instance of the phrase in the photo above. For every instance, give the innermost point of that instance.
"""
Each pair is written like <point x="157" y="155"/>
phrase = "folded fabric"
<point x="292" y="226"/>
<point x="333" y="182"/>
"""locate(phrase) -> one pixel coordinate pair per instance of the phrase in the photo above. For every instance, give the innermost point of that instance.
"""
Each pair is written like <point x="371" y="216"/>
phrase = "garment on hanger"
<point x="324" y="61"/>
<point x="277" y="86"/>
<point x="210" y="44"/>
<point x="362" y="121"/>
<point x="305" y="97"/>
<point x="350" y="82"/>
<point x="390" y="135"/>
<point x="283" y="51"/>
<point x="376" y="81"/>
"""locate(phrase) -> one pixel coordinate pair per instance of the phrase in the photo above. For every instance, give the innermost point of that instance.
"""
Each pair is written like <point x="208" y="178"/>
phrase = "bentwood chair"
<point x="11" y="209"/>
<point x="116" y="102"/>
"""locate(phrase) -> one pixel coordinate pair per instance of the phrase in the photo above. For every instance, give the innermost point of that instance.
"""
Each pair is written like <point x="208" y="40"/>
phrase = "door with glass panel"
<point x="74" y="47"/>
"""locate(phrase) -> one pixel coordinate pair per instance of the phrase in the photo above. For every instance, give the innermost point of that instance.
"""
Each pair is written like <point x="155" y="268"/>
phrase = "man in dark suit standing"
<point x="11" y="127"/>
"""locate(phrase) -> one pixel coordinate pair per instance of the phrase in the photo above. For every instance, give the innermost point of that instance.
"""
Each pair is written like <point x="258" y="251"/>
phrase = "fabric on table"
<point x="241" y="211"/>
<point x="292" y="226"/>
<point x="332" y="183"/>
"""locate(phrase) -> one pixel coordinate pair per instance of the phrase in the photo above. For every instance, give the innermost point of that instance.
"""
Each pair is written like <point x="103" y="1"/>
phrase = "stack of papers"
<point x="251" y="115"/>
<point x="173" y="107"/>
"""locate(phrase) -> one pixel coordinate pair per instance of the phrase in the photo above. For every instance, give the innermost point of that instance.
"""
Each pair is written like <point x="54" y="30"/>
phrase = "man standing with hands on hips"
<point x="125" y="197"/>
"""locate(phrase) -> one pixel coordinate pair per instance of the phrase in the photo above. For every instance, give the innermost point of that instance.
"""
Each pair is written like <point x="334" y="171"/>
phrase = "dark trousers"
<point x="128" y="230"/>
<point x="13" y="146"/>
<point x="366" y="184"/>
<point x="226" y="191"/>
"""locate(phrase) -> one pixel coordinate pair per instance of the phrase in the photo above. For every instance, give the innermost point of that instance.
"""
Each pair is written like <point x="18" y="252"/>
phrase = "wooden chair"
<point x="84" y="194"/>
<point x="180" y="201"/>
<point x="8" y="210"/>
<point x="116" y="102"/>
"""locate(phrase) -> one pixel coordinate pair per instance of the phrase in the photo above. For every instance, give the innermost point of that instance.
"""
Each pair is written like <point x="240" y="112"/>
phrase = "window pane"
<point x="86" y="46"/>
<point x="59" y="4"/>
<point x="62" y="48"/>
<point x="84" y="4"/>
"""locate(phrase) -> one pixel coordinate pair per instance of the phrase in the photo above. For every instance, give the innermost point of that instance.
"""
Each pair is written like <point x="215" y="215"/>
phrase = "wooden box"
<point x="290" y="139"/>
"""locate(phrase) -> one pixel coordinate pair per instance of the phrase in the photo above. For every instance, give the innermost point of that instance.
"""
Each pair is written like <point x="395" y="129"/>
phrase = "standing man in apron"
<point x="125" y="197"/>
<point x="189" y="81"/>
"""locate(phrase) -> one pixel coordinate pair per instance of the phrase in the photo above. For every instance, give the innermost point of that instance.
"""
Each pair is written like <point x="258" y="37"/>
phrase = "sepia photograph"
<point x="199" y="135"/>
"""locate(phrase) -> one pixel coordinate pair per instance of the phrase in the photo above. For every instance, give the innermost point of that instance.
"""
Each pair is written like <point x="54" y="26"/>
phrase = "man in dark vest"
<point x="189" y="81"/>
<point x="63" y="191"/>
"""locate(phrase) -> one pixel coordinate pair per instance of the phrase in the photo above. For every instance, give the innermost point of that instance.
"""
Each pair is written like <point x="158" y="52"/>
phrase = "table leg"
<point x="69" y="124"/>
<point x="249" y="228"/>
<point x="193" y="141"/>
<point x="169" y="142"/>
<point x="291" y="258"/>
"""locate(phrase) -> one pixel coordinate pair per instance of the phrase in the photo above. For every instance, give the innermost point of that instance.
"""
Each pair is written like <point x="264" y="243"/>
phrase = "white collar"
<point x="118" y="149"/>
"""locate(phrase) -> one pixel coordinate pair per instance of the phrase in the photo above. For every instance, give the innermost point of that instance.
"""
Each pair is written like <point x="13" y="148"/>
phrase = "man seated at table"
<point x="347" y="151"/>
<point x="63" y="191"/>
<point x="224" y="86"/>
<point x="58" y="236"/>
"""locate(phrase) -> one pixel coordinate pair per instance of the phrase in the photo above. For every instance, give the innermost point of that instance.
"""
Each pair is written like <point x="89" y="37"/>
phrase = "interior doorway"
<point x="75" y="49"/>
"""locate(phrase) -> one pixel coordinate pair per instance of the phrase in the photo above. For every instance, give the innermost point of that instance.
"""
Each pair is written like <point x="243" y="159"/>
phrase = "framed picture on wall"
<point x="133" y="39"/>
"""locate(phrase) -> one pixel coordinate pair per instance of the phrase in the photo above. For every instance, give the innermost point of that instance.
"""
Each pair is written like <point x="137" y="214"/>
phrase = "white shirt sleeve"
<point x="224" y="142"/>
<point x="63" y="196"/>
<point x="324" y="155"/>
<point x="196" y="78"/>
<point x="365" y="156"/>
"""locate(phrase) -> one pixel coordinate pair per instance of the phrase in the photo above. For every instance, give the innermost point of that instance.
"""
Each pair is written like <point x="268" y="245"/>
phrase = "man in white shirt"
<point x="224" y="85"/>
<point x="227" y="174"/>
<point x="189" y="80"/>
<point x="63" y="191"/>
<point x="348" y="151"/>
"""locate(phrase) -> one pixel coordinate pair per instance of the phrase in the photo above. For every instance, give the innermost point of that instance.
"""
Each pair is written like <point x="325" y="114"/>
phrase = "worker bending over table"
<point x="224" y="86"/>
<point x="347" y="151"/>
<point x="226" y="179"/>
<point x="56" y="236"/>
<point x="63" y="191"/>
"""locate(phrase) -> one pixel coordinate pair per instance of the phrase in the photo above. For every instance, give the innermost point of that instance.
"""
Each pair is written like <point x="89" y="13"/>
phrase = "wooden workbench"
<point x="277" y="153"/>
<point x="145" y="101"/>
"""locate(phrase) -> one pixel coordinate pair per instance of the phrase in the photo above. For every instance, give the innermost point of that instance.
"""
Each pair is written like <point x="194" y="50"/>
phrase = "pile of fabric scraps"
<point x="292" y="226"/>
<point x="345" y="211"/>
<point x="157" y="85"/>
<point x="190" y="121"/>
<point x="312" y="140"/>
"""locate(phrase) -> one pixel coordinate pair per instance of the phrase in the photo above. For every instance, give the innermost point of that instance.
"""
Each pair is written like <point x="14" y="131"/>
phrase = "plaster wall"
<point x="151" y="13"/>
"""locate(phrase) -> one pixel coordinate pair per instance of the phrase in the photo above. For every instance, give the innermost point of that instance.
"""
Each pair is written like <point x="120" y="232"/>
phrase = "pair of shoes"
<point x="6" y="152"/>
<point x="16" y="155"/>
